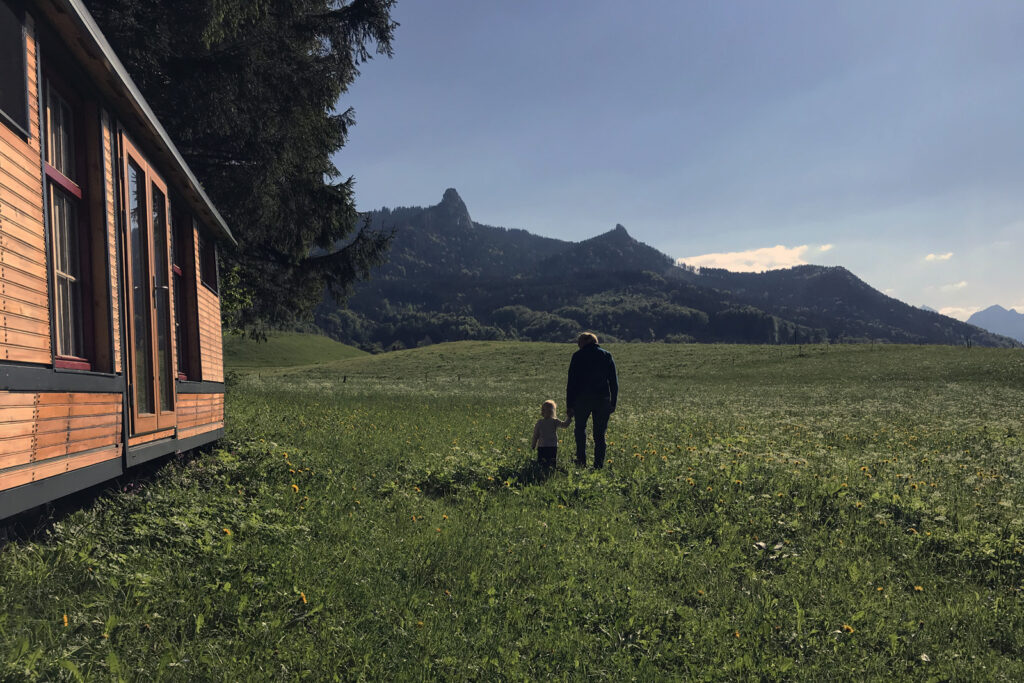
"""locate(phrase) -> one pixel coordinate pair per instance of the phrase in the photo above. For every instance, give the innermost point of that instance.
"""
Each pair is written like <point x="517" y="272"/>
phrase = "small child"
<point x="545" y="434"/>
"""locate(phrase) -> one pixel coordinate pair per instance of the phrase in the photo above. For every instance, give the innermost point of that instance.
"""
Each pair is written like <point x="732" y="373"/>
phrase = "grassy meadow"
<point x="775" y="513"/>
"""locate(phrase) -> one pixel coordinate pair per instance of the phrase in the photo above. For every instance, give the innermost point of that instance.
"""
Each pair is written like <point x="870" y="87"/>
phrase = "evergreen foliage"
<point x="248" y="90"/>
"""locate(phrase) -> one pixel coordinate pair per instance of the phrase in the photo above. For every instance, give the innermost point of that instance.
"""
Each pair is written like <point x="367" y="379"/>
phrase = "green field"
<point x="284" y="349"/>
<point x="812" y="513"/>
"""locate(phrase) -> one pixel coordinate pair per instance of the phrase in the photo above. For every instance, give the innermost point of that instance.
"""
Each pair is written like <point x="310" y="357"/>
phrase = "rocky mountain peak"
<point x="454" y="209"/>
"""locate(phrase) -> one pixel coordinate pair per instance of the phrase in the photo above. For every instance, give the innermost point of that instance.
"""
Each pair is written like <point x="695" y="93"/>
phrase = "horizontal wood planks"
<point x="210" y="337"/>
<point x="24" y="306"/>
<point x="151" y="437"/>
<point x="46" y="434"/>
<point x="110" y="209"/>
<point x="199" y="413"/>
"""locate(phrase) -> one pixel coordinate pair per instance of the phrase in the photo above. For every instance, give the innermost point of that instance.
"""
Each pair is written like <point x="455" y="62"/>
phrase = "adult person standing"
<point x="591" y="391"/>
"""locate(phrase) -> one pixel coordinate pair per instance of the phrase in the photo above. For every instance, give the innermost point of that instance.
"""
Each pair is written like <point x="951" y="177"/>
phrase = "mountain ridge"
<point x="450" y="278"/>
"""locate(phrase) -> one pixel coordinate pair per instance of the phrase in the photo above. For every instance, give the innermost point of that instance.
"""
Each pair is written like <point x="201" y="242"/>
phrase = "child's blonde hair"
<point x="548" y="409"/>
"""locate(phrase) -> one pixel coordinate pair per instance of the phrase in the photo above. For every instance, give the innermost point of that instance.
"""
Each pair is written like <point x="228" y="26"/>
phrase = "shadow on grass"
<point x="35" y="523"/>
<point x="529" y="473"/>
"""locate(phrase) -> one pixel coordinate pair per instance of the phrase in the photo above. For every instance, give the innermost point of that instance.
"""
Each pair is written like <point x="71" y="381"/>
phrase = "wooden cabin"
<point x="110" y="334"/>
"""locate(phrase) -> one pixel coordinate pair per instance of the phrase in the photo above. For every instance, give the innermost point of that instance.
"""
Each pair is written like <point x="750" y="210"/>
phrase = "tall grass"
<point x="776" y="513"/>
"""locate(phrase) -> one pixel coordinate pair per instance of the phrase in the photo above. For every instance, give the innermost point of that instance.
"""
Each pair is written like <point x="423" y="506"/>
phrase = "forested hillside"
<point x="449" y="278"/>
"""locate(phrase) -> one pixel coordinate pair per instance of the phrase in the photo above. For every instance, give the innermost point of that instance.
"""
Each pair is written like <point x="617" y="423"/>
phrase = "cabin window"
<point x="208" y="263"/>
<point x="183" y="273"/>
<point x="68" y="229"/>
<point x="13" y="68"/>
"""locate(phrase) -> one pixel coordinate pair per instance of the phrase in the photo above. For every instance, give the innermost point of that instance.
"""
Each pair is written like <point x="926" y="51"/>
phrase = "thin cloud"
<point x="958" y="312"/>
<point x="826" y="247"/>
<point x="752" y="260"/>
<point x="939" y="257"/>
<point x="952" y="287"/>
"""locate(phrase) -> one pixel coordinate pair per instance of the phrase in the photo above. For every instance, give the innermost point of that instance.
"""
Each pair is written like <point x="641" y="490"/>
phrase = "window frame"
<point x="158" y="418"/>
<point x="184" y="228"/>
<point x="7" y="118"/>
<point x="209" y="271"/>
<point x="75" y="190"/>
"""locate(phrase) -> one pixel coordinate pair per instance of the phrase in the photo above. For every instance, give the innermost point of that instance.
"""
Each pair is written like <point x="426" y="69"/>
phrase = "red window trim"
<point x="72" y="363"/>
<point x="63" y="181"/>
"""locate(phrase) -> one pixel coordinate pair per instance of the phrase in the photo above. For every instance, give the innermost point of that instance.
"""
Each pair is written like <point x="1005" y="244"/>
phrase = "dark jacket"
<point x="591" y="375"/>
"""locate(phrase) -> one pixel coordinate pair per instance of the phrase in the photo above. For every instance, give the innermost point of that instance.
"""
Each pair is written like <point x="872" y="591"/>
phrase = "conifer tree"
<point x="248" y="90"/>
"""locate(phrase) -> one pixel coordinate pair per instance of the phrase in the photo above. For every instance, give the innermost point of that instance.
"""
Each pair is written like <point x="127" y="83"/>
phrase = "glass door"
<point x="147" y="275"/>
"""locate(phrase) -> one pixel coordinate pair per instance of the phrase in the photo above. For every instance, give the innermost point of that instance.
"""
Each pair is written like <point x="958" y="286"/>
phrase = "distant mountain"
<point x="615" y="251"/>
<point x="999" y="320"/>
<point x="443" y="241"/>
<point x="929" y="309"/>
<point x="451" y="278"/>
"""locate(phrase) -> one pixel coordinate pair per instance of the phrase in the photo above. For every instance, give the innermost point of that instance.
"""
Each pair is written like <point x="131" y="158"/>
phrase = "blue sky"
<point x="887" y="137"/>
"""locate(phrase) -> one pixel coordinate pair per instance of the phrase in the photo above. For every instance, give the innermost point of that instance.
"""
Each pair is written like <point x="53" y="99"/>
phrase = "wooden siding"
<point x="46" y="434"/>
<point x="199" y="413"/>
<point x="211" y="340"/>
<point x="110" y="213"/>
<point x="24" y="305"/>
<point x="149" y="438"/>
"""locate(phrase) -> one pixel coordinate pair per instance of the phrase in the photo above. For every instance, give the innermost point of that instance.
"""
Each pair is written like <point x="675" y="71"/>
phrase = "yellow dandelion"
<point x="918" y="589"/>
<point x="690" y="481"/>
<point x="736" y="634"/>
<point x="709" y="488"/>
<point x="414" y="518"/>
<point x="295" y="487"/>
<point x="438" y="529"/>
<point x="911" y="530"/>
<point x="700" y="592"/>
<point x="65" y="621"/>
<point x="847" y="628"/>
<point x="444" y="517"/>
<point x="292" y="471"/>
<point x="303" y="596"/>
<point x="738" y="482"/>
<point x="879" y="589"/>
<point x="864" y="468"/>
<point x="416" y="489"/>
<point x="419" y="624"/>
<point x="227" y="531"/>
<point x="913" y="487"/>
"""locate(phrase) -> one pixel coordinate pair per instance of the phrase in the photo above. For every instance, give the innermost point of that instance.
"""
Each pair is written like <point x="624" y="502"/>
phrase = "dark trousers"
<point x="601" y="410"/>
<point x="547" y="455"/>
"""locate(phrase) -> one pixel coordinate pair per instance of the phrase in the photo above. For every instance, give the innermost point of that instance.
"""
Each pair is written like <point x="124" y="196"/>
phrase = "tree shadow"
<point x="34" y="524"/>
<point x="517" y="475"/>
